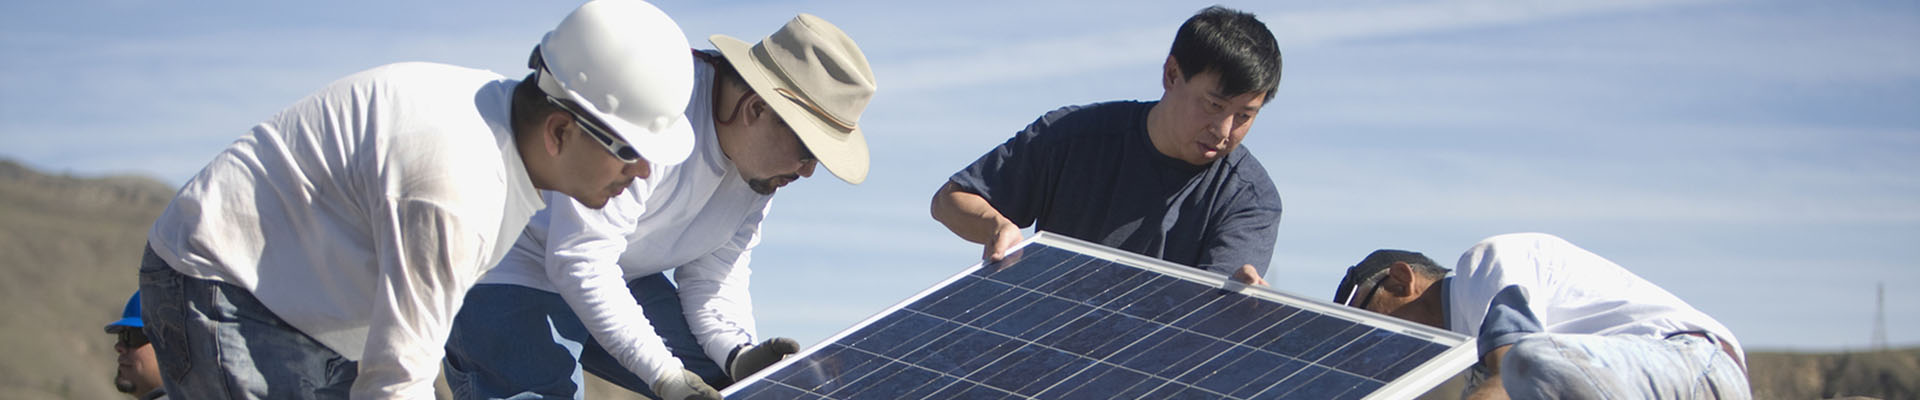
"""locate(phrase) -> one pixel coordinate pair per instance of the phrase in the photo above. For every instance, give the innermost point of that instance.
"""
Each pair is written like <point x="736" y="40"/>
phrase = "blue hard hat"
<point x="129" y="318"/>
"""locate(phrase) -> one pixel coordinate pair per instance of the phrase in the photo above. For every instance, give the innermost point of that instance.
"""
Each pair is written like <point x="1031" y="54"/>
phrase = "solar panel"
<point x="1066" y="319"/>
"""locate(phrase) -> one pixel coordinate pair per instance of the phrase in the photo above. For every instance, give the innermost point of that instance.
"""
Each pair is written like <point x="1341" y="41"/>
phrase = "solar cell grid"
<point x="1062" y="319"/>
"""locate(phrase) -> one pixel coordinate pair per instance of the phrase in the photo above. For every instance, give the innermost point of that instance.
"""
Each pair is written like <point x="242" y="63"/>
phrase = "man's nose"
<point x="1221" y="127"/>
<point x="806" y="169"/>
<point x="639" y="169"/>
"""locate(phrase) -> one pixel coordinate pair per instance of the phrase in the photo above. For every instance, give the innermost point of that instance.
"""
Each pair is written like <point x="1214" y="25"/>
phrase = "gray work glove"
<point x="751" y="359"/>
<point x="683" y="385"/>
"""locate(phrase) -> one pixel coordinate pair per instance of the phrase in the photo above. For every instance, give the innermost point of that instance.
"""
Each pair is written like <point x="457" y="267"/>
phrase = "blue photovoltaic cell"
<point x="1052" y="323"/>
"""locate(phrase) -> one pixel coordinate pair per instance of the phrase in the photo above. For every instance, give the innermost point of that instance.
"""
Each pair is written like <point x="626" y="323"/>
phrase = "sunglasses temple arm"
<point x="1345" y="292"/>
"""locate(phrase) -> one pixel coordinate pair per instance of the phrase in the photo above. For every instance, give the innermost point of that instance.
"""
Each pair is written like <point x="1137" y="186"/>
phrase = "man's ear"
<point x="1399" y="278"/>
<point x="1168" y="73"/>
<point x="757" y="107"/>
<point x="553" y="132"/>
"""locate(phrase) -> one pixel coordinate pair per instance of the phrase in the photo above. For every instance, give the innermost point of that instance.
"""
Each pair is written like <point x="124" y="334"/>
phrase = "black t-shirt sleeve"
<point x="1247" y="230"/>
<point x="1016" y="176"/>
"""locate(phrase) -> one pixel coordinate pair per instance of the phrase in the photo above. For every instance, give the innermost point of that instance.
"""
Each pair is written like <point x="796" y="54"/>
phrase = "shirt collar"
<point x="706" y="140"/>
<point x="1446" y="299"/>
<point x="521" y="195"/>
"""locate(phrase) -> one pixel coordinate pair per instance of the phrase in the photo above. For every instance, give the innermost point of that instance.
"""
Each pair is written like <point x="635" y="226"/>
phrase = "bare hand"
<point x="1250" y="276"/>
<point x="1005" y="236"/>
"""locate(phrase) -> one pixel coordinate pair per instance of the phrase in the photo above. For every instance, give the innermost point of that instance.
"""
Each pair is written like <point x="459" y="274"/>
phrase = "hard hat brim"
<point x="126" y="323"/>
<point x="668" y="146"/>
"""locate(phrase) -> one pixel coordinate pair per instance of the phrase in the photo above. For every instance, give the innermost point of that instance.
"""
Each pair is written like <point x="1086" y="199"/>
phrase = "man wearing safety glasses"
<point x="586" y="288"/>
<point x="1555" y="321"/>
<point x="325" y="253"/>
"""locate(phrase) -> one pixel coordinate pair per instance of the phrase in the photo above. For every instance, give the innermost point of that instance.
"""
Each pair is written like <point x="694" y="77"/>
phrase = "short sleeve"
<point x="1017" y="176"/>
<point x="1509" y="317"/>
<point x="1246" y="230"/>
<point x="1503" y="264"/>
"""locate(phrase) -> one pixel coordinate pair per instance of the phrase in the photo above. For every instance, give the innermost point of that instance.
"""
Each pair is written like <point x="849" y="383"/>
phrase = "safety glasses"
<point x="619" y="148"/>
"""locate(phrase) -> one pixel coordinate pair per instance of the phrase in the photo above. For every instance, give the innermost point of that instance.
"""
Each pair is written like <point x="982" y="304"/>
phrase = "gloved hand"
<point x="755" y="358"/>
<point x="683" y="385"/>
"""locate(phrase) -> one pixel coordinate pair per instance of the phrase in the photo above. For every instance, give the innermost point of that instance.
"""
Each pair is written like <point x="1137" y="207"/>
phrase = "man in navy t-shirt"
<point x="1165" y="179"/>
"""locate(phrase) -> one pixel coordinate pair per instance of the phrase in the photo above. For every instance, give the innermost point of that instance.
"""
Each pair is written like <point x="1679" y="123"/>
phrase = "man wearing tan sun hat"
<point x="822" y="101"/>
<point x="586" y="289"/>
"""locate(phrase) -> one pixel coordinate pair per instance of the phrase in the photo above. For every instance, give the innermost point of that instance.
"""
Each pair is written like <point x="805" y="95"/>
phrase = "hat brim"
<point x="669" y="147"/>
<point x="843" y="152"/>
<point x="125" y="324"/>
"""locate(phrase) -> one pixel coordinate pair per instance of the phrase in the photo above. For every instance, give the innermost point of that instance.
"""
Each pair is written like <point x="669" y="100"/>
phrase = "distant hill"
<point x="70" y="246"/>
<point x="69" y="255"/>
<point x="1892" y="374"/>
<point x="69" y="251"/>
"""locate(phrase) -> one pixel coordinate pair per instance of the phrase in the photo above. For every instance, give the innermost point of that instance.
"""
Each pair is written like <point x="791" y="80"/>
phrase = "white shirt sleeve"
<point x="1489" y="267"/>
<point x="428" y="256"/>
<point x="713" y="291"/>
<point x="584" y="248"/>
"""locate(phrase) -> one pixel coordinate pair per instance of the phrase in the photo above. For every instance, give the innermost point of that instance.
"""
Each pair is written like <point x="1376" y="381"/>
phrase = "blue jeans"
<point x="1561" y="366"/>
<point x="208" y="335"/>
<point x="515" y="342"/>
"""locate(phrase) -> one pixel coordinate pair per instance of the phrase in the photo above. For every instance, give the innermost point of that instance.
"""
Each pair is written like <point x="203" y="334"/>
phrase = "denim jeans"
<point x="515" y="342"/>
<point x="1561" y="366"/>
<point x="208" y="335"/>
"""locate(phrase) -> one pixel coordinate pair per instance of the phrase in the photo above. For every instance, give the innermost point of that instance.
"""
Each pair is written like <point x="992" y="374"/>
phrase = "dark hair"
<point x="530" y="106"/>
<point x="723" y="70"/>
<point x="1233" y="43"/>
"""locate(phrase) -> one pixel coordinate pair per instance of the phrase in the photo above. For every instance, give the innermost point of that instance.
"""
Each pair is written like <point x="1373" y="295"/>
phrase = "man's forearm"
<point x="966" y="214"/>
<point x="1492" y="388"/>
<point x="1489" y="389"/>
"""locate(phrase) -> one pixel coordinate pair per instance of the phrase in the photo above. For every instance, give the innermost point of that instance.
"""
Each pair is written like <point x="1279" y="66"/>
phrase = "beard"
<point x="765" y="186"/>
<point x="123" y="384"/>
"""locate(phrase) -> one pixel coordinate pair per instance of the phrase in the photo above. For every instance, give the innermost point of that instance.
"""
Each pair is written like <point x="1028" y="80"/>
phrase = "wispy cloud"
<point x="1314" y="27"/>
<point x="1122" y="44"/>
<point x="1044" y="58"/>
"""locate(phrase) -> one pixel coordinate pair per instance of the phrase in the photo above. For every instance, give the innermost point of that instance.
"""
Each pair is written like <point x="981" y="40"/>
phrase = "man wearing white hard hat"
<point x="586" y="289"/>
<point x="325" y="253"/>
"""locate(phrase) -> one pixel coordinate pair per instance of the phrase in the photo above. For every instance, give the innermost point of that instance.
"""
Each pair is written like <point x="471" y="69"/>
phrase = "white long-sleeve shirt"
<point x="363" y="213"/>
<point x="697" y="218"/>
<point x="1569" y="290"/>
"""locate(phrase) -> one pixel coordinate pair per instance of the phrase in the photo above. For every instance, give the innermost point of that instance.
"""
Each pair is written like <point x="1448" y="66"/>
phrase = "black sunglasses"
<point x="1351" y="286"/>
<point x="1371" y="289"/>
<point x="132" y="338"/>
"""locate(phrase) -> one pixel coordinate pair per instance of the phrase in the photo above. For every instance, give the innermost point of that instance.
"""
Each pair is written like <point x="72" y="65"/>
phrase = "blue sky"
<point x="1760" y="159"/>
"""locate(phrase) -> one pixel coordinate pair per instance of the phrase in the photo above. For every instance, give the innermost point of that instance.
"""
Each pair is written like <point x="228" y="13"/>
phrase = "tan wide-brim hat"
<point x="817" y="80"/>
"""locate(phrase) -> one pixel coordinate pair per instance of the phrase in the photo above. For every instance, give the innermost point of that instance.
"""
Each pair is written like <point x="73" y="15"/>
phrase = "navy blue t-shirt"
<point x="1091" y="172"/>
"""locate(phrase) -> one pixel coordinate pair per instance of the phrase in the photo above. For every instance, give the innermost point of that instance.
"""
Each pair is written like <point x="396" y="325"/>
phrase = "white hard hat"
<point x="626" y="64"/>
